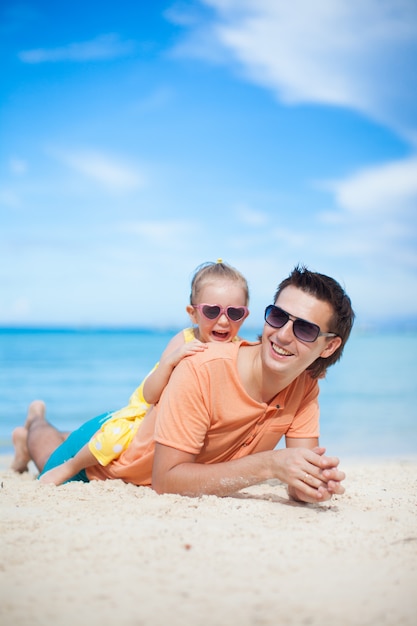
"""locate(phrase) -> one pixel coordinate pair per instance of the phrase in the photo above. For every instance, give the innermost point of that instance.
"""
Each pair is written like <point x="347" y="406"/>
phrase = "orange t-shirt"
<point x="204" y="410"/>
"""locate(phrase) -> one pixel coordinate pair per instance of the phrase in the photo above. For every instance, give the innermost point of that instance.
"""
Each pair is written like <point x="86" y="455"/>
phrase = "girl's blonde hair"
<point x="207" y="272"/>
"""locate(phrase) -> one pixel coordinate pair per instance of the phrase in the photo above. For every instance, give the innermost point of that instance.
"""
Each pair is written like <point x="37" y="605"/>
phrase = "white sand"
<point x="108" y="553"/>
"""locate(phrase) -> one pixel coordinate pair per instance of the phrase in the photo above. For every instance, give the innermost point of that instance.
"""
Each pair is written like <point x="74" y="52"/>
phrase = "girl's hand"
<point x="187" y="349"/>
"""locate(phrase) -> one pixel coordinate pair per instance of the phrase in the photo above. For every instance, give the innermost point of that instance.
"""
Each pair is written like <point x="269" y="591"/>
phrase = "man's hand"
<point x="314" y="476"/>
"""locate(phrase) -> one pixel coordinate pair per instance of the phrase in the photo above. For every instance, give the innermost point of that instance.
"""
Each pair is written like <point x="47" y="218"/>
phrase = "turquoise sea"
<point x="368" y="400"/>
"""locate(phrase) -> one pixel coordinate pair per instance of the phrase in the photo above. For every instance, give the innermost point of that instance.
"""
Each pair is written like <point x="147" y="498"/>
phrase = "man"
<point x="224" y="410"/>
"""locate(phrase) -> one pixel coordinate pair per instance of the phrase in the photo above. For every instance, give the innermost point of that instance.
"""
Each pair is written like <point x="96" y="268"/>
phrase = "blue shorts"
<point x="74" y="443"/>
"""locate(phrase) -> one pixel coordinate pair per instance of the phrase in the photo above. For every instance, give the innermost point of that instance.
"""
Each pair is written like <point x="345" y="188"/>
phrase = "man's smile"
<point x="278" y="350"/>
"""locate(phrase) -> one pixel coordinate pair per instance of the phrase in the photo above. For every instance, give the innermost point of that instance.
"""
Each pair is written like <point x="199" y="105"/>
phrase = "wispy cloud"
<point x="101" y="48"/>
<point x="250" y="216"/>
<point x="359" y="55"/>
<point x="161" y="233"/>
<point x="159" y="98"/>
<point x="182" y="14"/>
<point x="386" y="189"/>
<point x="109" y="171"/>
<point x="9" y="198"/>
<point x="373" y="222"/>
<point x="18" y="166"/>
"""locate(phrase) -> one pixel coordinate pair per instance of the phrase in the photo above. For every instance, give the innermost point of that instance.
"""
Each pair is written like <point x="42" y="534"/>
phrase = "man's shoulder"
<point x="229" y="349"/>
<point x="216" y="350"/>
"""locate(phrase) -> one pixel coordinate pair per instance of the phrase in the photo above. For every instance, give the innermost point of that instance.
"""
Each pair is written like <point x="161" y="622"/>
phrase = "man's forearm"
<point x="304" y="471"/>
<point x="221" y="479"/>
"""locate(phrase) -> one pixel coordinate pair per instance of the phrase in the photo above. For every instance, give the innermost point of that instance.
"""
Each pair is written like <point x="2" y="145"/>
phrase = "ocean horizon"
<point x="368" y="400"/>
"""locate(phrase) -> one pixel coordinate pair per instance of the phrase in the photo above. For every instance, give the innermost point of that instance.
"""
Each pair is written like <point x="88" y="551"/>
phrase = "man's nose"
<point x="286" y="331"/>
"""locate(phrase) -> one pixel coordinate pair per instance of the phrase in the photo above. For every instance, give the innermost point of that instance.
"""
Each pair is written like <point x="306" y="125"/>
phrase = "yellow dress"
<point x="118" y="431"/>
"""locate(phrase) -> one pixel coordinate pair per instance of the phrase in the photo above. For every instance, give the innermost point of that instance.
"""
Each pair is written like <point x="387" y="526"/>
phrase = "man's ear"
<point x="191" y="312"/>
<point x="331" y="347"/>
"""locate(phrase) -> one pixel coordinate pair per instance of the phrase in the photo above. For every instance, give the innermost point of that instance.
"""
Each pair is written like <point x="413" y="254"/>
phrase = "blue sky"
<point x="140" y="139"/>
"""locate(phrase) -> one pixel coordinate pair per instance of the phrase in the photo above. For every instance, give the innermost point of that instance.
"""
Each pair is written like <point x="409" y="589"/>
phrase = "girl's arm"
<point x="176" y="350"/>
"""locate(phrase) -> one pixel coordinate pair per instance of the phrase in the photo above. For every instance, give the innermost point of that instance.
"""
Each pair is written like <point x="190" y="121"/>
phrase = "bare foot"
<point x="36" y="410"/>
<point x="21" y="452"/>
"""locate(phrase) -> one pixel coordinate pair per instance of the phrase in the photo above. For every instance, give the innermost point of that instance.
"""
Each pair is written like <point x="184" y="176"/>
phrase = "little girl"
<point x="218" y="307"/>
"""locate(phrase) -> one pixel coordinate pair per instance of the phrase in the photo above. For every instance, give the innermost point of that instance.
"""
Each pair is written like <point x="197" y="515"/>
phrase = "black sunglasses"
<point x="303" y="330"/>
<point x="213" y="311"/>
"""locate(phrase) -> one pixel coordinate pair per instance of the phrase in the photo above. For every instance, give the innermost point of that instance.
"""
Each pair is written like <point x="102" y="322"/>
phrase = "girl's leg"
<point x="61" y="473"/>
<point x="72" y="445"/>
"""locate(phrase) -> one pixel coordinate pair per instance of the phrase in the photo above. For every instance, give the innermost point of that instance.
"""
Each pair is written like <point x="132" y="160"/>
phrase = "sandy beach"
<point x="108" y="552"/>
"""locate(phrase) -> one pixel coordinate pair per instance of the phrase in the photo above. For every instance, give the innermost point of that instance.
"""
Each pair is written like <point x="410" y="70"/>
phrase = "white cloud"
<point x="157" y="99"/>
<point x="250" y="216"/>
<point x="18" y="166"/>
<point x="161" y="233"/>
<point x="390" y="188"/>
<point x="294" y="239"/>
<point x="9" y="198"/>
<point x="359" y="55"/>
<point x="101" y="48"/>
<point x="373" y="229"/>
<point x="107" y="170"/>
<point x="182" y="14"/>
